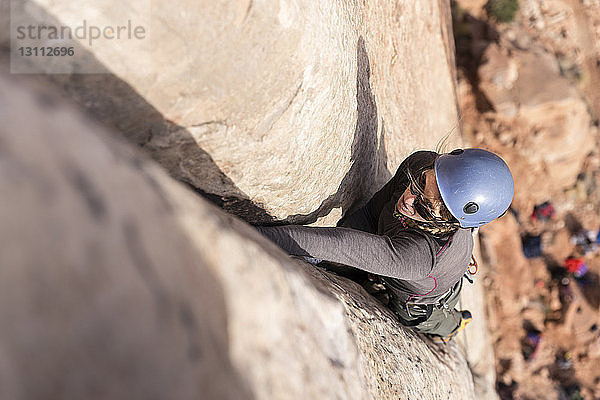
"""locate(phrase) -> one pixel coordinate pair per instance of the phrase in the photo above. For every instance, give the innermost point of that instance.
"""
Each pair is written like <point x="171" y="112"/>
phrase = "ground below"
<point x="544" y="321"/>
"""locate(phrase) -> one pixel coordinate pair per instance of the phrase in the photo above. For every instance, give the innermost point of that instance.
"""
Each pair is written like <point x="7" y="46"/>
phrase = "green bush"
<point x="502" y="10"/>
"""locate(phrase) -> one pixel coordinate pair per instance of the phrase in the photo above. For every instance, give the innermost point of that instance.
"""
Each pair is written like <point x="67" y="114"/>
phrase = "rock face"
<point x="533" y="79"/>
<point x="476" y="340"/>
<point x="298" y="107"/>
<point x="541" y="111"/>
<point x="130" y="286"/>
<point x="541" y="76"/>
<point x="133" y="287"/>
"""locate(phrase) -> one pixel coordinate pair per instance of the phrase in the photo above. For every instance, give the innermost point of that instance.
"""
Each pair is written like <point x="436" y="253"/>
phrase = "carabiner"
<point x="473" y="264"/>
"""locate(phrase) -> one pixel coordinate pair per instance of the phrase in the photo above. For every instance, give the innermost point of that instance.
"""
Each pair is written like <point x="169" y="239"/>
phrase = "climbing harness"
<point x="422" y="312"/>
<point x="419" y="312"/>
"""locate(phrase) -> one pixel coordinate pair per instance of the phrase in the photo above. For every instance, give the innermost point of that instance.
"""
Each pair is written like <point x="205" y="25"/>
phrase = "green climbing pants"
<point x="441" y="322"/>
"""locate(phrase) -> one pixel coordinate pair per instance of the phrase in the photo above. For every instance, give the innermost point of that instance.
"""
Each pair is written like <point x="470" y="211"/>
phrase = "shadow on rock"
<point x="556" y="270"/>
<point x="562" y="370"/>
<point x="116" y="104"/>
<point x="369" y="160"/>
<point x="590" y="287"/>
<point x="126" y="304"/>
<point x="572" y="223"/>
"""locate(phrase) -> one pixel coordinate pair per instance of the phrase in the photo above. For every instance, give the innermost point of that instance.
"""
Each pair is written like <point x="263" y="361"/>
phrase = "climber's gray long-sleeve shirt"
<point x="415" y="265"/>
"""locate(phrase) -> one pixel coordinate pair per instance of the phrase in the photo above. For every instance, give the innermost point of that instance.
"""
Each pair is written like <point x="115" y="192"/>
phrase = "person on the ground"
<point x="414" y="236"/>
<point x="576" y="266"/>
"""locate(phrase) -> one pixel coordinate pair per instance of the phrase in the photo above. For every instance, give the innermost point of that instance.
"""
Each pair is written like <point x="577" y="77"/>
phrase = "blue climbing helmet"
<point x="476" y="185"/>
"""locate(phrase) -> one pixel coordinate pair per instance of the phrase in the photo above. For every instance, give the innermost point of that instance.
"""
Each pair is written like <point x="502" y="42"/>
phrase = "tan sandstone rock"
<point x="476" y="340"/>
<point x="473" y="7"/>
<point x="540" y="110"/>
<point x="118" y="282"/>
<point x="298" y="107"/>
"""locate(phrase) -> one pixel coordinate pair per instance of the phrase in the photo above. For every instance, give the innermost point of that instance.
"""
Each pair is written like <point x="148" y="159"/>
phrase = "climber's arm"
<point x="406" y="257"/>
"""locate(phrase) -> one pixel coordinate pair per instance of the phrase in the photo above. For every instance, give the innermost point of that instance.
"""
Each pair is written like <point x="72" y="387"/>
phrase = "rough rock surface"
<point x="525" y="295"/>
<point x="304" y="108"/>
<point x="540" y="75"/>
<point x="571" y="29"/>
<point x="130" y="286"/>
<point x="476" y="340"/>
<point x="297" y="106"/>
<point x="546" y="114"/>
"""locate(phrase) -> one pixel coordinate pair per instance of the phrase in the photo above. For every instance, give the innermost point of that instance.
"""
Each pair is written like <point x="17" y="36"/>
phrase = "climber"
<point x="584" y="241"/>
<point x="543" y="212"/>
<point x="575" y="265"/>
<point x="414" y="236"/>
<point x="532" y="245"/>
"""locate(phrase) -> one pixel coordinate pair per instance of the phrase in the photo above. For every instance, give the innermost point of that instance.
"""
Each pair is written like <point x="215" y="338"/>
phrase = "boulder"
<point x="273" y="109"/>
<point x="538" y="108"/>
<point x="119" y="282"/>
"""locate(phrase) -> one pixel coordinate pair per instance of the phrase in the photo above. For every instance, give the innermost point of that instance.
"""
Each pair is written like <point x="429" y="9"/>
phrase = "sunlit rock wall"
<point x="118" y="282"/>
<point x="274" y="109"/>
<point x="540" y="116"/>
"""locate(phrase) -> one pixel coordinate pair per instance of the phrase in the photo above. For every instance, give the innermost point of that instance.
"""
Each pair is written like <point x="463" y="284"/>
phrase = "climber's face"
<point x="421" y="199"/>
